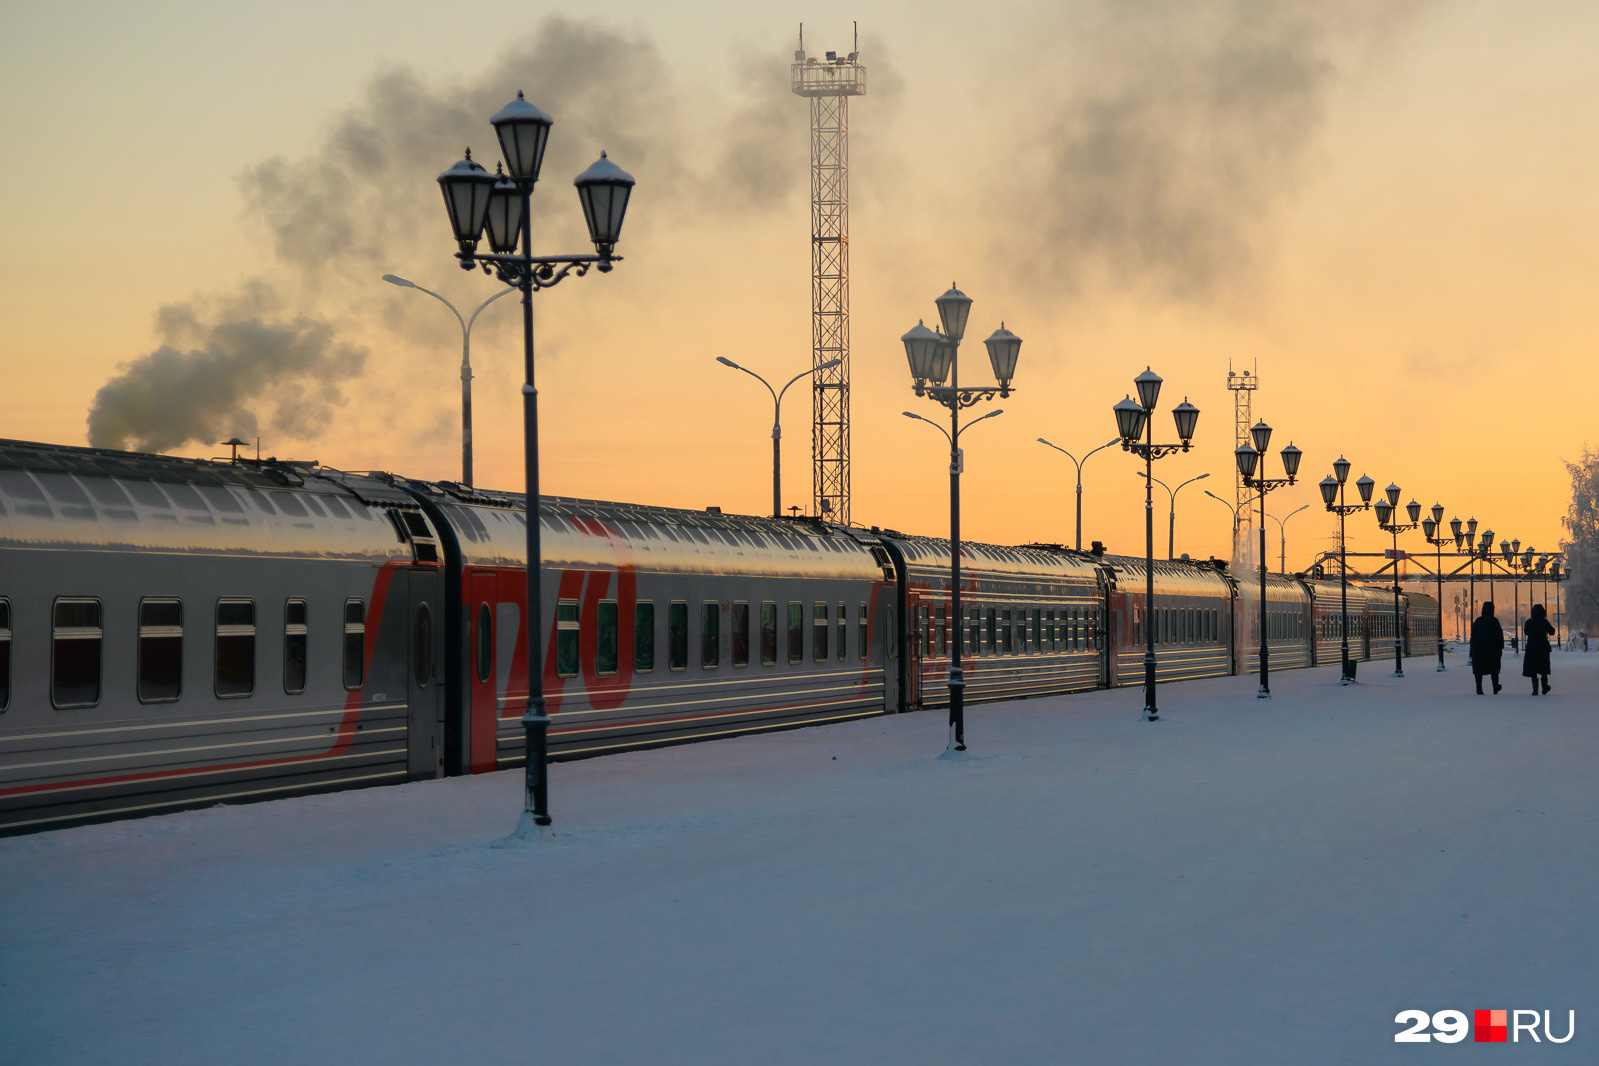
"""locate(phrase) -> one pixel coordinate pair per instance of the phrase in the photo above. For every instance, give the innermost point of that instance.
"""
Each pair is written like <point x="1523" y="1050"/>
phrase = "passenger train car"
<point x="178" y="632"/>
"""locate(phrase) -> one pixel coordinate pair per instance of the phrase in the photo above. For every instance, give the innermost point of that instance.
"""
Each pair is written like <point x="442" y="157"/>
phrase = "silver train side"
<point x="176" y="633"/>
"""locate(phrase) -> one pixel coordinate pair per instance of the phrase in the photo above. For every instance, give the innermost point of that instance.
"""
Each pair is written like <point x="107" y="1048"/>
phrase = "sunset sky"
<point x="1390" y="208"/>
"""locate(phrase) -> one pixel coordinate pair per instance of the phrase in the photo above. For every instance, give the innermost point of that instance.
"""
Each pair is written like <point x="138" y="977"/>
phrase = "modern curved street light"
<point x="1332" y="488"/>
<point x="1133" y="422"/>
<point x="466" y="364"/>
<point x="1388" y="521"/>
<point x="1282" y="537"/>
<point x="777" y="422"/>
<point x="934" y="356"/>
<point x="1171" y="517"/>
<point x="500" y="207"/>
<point x="1249" y="457"/>
<point x="1079" y="464"/>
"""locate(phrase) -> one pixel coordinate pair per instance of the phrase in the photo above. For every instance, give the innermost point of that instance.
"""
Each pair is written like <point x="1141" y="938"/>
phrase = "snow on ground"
<point x="1243" y="882"/>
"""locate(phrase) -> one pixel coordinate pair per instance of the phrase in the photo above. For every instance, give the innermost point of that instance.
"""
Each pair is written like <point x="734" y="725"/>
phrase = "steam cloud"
<point x="1177" y="137"/>
<point x="218" y="366"/>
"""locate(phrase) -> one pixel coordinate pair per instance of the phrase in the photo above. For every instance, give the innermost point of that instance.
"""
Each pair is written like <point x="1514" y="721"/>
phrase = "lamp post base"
<point x="1263" y="693"/>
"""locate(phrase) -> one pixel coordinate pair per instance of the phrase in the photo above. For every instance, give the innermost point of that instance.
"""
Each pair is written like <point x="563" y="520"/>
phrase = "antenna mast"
<point x="829" y="83"/>
<point x="1242" y="385"/>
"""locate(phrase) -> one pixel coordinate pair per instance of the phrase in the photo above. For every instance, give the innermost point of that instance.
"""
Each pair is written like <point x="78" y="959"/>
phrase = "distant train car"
<point x="1422" y="632"/>
<point x="1289" y="624"/>
<point x="1192" y="619"/>
<point x="1032" y="623"/>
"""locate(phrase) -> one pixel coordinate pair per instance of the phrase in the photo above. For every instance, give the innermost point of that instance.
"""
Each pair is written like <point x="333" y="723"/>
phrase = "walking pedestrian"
<point x="1487" y="646"/>
<point x="1536" y="664"/>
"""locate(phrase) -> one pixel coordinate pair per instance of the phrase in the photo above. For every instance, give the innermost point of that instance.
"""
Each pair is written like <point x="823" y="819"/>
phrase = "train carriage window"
<point x="485" y="642"/>
<point x="1138" y="624"/>
<point x="294" y="647"/>
<point x="75" y="654"/>
<point x="991" y="633"/>
<point x="710" y="634"/>
<point x="974" y="639"/>
<point x="677" y="635"/>
<point x="235" y="658"/>
<point x="160" y="650"/>
<point x="1006" y="645"/>
<point x="861" y="631"/>
<point x="768" y="633"/>
<point x="941" y="629"/>
<point x="796" y="631"/>
<point x="741" y="634"/>
<point x="607" y="638"/>
<point x="566" y="638"/>
<point x="1038" y="629"/>
<point x="354" y="642"/>
<point x="5" y="655"/>
<point x="923" y="633"/>
<point x="643" y="638"/>
<point x="843" y="631"/>
<point x="819" y="631"/>
<point x="1047" y="641"/>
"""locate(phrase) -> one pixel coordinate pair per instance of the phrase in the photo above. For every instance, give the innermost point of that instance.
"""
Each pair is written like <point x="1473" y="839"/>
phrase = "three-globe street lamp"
<point x="1249" y="458"/>
<point x="466" y="365"/>
<point x="1554" y="572"/>
<point x="934" y="356"/>
<point x="1133" y="422"/>
<point x="777" y="422"/>
<point x="1171" y="517"/>
<point x="1432" y="529"/>
<point x="1332" y="488"/>
<point x="1387" y="520"/>
<point x="1079" y="463"/>
<point x="478" y="201"/>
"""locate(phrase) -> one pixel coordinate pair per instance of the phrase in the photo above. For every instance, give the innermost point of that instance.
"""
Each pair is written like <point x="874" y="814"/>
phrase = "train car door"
<point x="916" y="627"/>
<point x="483" y="669"/>
<point x="425" y="696"/>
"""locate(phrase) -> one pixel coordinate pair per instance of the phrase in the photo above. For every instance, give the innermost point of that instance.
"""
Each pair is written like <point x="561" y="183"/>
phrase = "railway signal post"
<point x="1132" y="422"/>
<point x="1249" y="455"/>
<point x="477" y="200"/>
<point x="933" y="356"/>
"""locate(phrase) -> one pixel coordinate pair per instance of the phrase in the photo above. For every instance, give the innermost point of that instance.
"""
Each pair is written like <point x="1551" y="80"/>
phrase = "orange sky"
<point x="1390" y="210"/>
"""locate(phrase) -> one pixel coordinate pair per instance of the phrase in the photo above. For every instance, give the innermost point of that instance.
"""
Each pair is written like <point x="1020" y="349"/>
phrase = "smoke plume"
<point x="219" y="368"/>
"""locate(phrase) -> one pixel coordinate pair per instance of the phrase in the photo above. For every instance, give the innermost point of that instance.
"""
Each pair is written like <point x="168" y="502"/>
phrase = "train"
<point x="183" y="632"/>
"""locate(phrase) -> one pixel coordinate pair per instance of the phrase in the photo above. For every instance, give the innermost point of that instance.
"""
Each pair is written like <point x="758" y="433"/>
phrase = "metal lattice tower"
<point x="829" y="83"/>
<point x="1242" y="386"/>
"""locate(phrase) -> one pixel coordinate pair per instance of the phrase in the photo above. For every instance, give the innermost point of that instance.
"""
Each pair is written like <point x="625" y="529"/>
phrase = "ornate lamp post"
<point x="1332" y="488"/>
<point x="1510" y="551"/>
<point x="1249" y="458"/>
<point x="1079" y="463"/>
<point x="1485" y="553"/>
<point x="477" y="200"/>
<point x="466" y="364"/>
<point x="1432" y="529"/>
<point x="777" y="422"/>
<point x="1387" y="521"/>
<point x="1554" y="572"/>
<point x="1133" y="422"/>
<point x="933" y="356"/>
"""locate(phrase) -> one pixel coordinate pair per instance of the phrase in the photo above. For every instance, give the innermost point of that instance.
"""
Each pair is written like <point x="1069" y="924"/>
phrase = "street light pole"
<point x="933" y="356"/>
<point x="1386" y="511"/>
<point x="1249" y="458"/>
<point x="466" y="364"/>
<point x="1132" y="422"/>
<point x="479" y="205"/>
<point x="1171" y="516"/>
<point x="777" y="422"/>
<point x="1282" y="537"/>
<point x="1079" y="464"/>
<point x="1332" y="488"/>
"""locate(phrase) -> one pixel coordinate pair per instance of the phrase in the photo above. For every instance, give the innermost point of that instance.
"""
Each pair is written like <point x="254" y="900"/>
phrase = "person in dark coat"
<point x="1536" y="664"/>
<point x="1487" y="646"/>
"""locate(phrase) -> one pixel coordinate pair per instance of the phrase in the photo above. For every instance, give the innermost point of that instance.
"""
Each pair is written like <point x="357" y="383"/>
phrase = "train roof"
<point x="59" y="496"/>
<point x="490" y="528"/>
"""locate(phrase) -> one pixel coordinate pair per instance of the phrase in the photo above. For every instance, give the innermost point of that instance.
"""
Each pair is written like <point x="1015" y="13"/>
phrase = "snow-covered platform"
<point x="1246" y="881"/>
